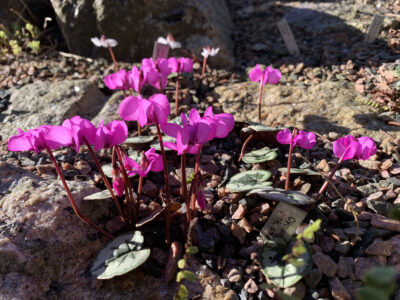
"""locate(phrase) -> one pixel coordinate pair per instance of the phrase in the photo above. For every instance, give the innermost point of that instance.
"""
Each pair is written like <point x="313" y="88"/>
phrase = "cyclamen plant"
<point x="269" y="75"/>
<point x="300" y="138"/>
<point x="206" y="53"/>
<point x="106" y="43"/>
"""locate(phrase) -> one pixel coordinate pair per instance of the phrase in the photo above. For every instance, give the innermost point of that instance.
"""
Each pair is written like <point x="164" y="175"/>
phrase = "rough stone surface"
<point x="49" y="103"/>
<point x="195" y="24"/>
<point x="339" y="292"/>
<point x="380" y="247"/>
<point x="325" y="264"/>
<point x="109" y="111"/>
<point x="325" y="107"/>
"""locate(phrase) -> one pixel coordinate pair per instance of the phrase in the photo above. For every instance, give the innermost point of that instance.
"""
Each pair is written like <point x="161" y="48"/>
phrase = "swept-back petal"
<point x="284" y="136"/>
<point x="170" y="129"/>
<point x="274" y="75"/>
<point x="58" y="136"/>
<point x="20" y="142"/>
<point x="256" y="73"/>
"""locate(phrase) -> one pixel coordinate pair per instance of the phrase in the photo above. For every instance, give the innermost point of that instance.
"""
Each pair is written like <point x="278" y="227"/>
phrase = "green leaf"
<point x="394" y="212"/>
<point x="281" y="273"/>
<point x="185" y="274"/>
<point x="380" y="277"/>
<point x="305" y="172"/>
<point x="182" y="292"/>
<point x="122" y="255"/>
<point x="249" y="180"/>
<point x="192" y="250"/>
<point x="260" y="156"/>
<point x="371" y="293"/>
<point x="181" y="263"/>
<point x="103" y="195"/>
<point x="276" y="194"/>
<point x="308" y="233"/>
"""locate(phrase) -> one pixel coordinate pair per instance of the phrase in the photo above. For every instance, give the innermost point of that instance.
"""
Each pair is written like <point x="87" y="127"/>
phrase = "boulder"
<point x="136" y="24"/>
<point x="50" y="103"/>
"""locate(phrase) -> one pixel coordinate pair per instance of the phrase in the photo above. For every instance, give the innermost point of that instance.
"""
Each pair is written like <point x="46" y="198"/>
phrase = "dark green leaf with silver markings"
<point x="260" y="156"/>
<point x="249" y="180"/>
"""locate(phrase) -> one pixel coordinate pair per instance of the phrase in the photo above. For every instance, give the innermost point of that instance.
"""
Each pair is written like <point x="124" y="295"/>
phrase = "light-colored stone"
<point x="328" y="106"/>
<point x="196" y="24"/>
<point x="50" y="103"/>
<point x="379" y="221"/>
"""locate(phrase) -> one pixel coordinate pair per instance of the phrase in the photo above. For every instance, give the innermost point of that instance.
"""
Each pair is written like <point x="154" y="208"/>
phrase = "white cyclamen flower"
<point x="169" y="41"/>
<point x="103" y="42"/>
<point x="209" y="51"/>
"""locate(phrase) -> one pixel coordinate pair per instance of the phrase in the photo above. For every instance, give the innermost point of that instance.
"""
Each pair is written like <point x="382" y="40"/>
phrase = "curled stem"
<point x="106" y="182"/>
<point x="72" y="200"/>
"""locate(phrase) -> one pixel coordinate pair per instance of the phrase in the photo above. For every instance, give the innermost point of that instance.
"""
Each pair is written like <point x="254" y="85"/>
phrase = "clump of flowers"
<point x="269" y="75"/>
<point x="300" y="138"/>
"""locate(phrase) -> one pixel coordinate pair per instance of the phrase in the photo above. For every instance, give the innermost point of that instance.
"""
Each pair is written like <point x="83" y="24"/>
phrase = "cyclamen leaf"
<point x="185" y="274"/>
<point x="103" y="195"/>
<point x="181" y="263"/>
<point x="182" y="292"/>
<point x="249" y="180"/>
<point x="260" y="156"/>
<point x="276" y="194"/>
<point x="192" y="250"/>
<point x="122" y="255"/>
<point x="308" y="233"/>
<point x="282" y="273"/>
<point x="305" y="172"/>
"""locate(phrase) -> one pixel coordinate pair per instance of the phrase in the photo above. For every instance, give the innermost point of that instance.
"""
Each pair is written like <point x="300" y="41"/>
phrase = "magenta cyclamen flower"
<point x="223" y="123"/>
<point x="81" y="129"/>
<point x="138" y="78"/>
<point x="161" y="68"/>
<point x="144" y="111"/>
<point x="180" y="65"/>
<point x="118" y="80"/>
<point x="150" y="161"/>
<point x="269" y="75"/>
<point x="114" y="133"/>
<point x="303" y="139"/>
<point x="118" y="185"/>
<point x="349" y="147"/>
<point x="39" y="138"/>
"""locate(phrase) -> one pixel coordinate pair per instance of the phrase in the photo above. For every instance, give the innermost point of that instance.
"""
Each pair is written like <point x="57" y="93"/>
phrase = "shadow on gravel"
<point x="371" y="122"/>
<point x="322" y="125"/>
<point x="323" y="39"/>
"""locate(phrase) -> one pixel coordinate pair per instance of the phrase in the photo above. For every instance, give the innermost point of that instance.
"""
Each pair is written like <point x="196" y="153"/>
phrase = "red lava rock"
<point x="325" y="264"/>
<point x="265" y="208"/>
<point x="150" y="189"/>
<point x="239" y="213"/>
<point x="238" y="232"/>
<point x="243" y="223"/>
<point x="363" y="264"/>
<point x="327" y="243"/>
<point x="339" y="292"/>
<point x="380" y="248"/>
<point x="379" y="221"/>
<point x="250" y="286"/>
<point x="345" y="267"/>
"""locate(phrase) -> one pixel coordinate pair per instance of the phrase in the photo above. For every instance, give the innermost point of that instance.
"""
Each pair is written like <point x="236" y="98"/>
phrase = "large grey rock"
<point x="136" y="24"/>
<point x="324" y="107"/>
<point x="109" y="112"/>
<point x="49" y="103"/>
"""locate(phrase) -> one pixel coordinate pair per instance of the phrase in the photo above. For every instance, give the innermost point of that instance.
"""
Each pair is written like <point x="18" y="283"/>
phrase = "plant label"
<point x="374" y="28"/>
<point x="160" y="51"/>
<point x="288" y="37"/>
<point x="283" y="222"/>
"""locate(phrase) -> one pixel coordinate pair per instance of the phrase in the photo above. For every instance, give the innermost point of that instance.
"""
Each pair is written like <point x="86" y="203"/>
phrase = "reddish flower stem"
<point x="325" y="185"/>
<point x="176" y="95"/>
<point x="244" y="146"/>
<point x="193" y="194"/>
<point x="259" y="98"/>
<point x="167" y="188"/>
<point x="113" y="59"/>
<point x="139" y="193"/>
<point x="289" y="162"/>
<point x="105" y="180"/>
<point x="72" y="200"/>
<point x="132" y="204"/>
<point x="184" y="186"/>
<point x="203" y="70"/>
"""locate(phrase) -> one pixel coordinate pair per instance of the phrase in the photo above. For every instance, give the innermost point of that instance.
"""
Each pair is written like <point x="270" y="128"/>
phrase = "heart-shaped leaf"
<point x="139" y="142"/>
<point x="103" y="195"/>
<point x="156" y="144"/>
<point x="150" y="217"/>
<point x="107" y="169"/>
<point x="280" y="272"/>
<point x="276" y="194"/>
<point x="261" y="132"/>
<point x="249" y="180"/>
<point x="122" y="255"/>
<point x="305" y="172"/>
<point x="260" y="156"/>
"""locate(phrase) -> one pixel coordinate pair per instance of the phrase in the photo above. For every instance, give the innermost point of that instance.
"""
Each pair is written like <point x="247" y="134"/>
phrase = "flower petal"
<point x="256" y="73"/>
<point x="284" y="136"/>
<point x="274" y="75"/>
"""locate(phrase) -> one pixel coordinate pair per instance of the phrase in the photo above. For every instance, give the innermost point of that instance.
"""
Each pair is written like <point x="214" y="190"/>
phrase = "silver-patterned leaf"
<point x="249" y="180"/>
